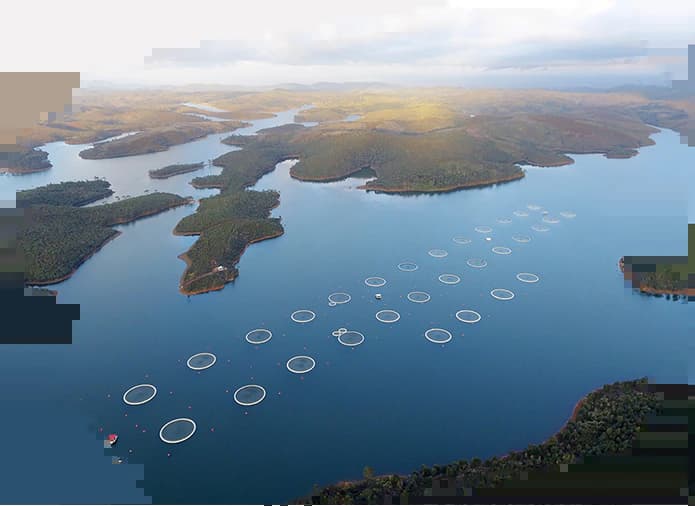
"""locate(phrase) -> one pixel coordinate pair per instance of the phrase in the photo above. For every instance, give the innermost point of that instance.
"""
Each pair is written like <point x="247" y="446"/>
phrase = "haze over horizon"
<point x="593" y="43"/>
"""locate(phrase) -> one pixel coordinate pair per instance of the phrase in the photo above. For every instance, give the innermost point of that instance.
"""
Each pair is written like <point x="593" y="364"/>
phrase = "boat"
<point x="377" y="296"/>
<point x="111" y="439"/>
<point x="488" y="238"/>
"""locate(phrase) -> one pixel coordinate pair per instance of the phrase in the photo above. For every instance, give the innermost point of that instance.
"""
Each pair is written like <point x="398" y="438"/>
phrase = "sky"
<point x="561" y="43"/>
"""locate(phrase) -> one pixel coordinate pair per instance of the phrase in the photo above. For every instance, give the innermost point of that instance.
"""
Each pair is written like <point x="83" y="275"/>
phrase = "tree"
<point x="368" y="473"/>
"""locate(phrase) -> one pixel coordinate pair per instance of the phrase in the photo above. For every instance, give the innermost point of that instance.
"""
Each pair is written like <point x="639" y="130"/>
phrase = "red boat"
<point x="111" y="439"/>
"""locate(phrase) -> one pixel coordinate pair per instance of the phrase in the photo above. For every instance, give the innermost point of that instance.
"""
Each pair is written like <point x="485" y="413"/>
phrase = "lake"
<point x="396" y="401"/>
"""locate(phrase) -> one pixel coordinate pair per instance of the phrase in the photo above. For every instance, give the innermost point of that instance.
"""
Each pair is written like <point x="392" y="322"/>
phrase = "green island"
<point x="24" y="161"/>
<point x="67" y="193"/>
<point x="176" y="169"/>
<point x="673" y="277"/>
<point x="56" y="239"/>
<point x="601" y="437"/>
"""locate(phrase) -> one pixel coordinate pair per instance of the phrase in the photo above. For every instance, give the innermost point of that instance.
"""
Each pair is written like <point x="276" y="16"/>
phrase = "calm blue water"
<point x="395" y="402"/>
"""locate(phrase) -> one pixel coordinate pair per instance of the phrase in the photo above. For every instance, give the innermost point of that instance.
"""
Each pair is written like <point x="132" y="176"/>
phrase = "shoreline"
<point x="649" y="290"/>
<point x="79" y="263"/>
<point x="184" y="256"/>
<point x="577" y="407"/>
<point x="446" y="189"/>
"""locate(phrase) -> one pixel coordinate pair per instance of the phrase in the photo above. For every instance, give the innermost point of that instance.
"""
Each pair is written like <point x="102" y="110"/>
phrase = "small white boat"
<point x="488" y="238"/>
<point x="377" y="296"/>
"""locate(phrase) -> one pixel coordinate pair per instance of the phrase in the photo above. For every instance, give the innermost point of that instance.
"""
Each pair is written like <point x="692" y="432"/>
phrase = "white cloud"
<point x="262" y="42"/>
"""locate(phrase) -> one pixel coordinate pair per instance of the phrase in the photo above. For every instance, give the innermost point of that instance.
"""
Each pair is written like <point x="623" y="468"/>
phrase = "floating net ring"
<point x="351" y="338"/>
<point x="249" y="395"/>
<point x="504" y="221"/>
<point x="201" y="361"/>
<point x="449" y="279"/>
<point x="568" y="214"/>
<point x="521" y="238"/>
<point x="388" y="316"/>
<point x="539" y="228"/>
<point x="502" y="294"/>
<point x="534" y="207"/>
<point x="438" y="336"/>
<point x="501" y="250"/>
<point x="438" y="253"/>
<point x="407" y="266"/>
<point x="375" y="281"/>
<point x="303" y="316"/>
<point x="300" y="364"/>
<point x="419" y="297"/>
<point x="476" y="263"/>
<point x="527" y="277"/>
<point x="139" y="394"/>
<point x="462" y="240"/>
<point x="259" y="336"/>
<point x="177" y="430"/>
<point x="468" y="316"/>
<point x="550" y="219"/>
<point x="483" y="229"/>
<point x="339" y="298"/>
<point x="520" y="213"/>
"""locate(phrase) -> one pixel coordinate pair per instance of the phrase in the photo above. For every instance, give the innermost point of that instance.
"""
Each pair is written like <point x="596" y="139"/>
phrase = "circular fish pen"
<point x="550" y="219"/>
<point x="502" y="294"/>
<point x="388" y="316"/>
<point x="533" y="207"/>
<point x="407" y="266"/>
<point x="477" y="263"/>
<point x="339" y="298"/>
<point x="300" y="364"/>
<point x="259" y="336"/>
<point x="521" y="238"/>
<point x="303" y="316"/>
<point x="438" y="336"/>
<point x="462" y="240"/>
<point x="438" y="253"/>
<point x="539" y="228"/>
<point x="351" y="338"/>
<point x="520" y="214"/>
<point x="468" y="316"/>
<point x="449" y="279"/>
<point x="527" y="277"/>
<point x="201" y="361"/>
<point x="568" y="214"/>
<point x="419" y="297"/>
<point x="504" y="221"/>
<point x="375" y="281"/>
<point x="501" y="250"/>
<point x="249" y="395"/>
<point x="483" y="229"/>
<point x="177" y="430"/>
<point x="139" y="394"/>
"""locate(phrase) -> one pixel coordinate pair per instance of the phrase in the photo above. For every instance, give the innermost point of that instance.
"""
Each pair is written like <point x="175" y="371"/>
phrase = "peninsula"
<point x="58" y="235"/>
